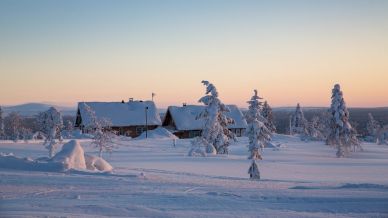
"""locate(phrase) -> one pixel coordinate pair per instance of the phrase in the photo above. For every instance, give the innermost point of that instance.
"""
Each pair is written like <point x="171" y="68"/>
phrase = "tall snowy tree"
<point x="257" y="132"/>
<point x="266" y="111"/>
<point x="101" y="130"/>
<point x="342" y="134"/>
<point x="372" y="126"/>
<point x="298" y="123"/>
<point x="215" y="133"/>
<point x="2" y="134"/>
<point x="12" y="126"/>
<point x="51" y="123"/>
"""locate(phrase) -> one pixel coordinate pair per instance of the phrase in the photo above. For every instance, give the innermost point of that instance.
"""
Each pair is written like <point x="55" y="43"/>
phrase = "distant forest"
<point x="358" y="117"/>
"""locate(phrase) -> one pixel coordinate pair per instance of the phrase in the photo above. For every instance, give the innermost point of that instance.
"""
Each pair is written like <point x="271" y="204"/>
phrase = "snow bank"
<point x="9" y="161"/>
<point x="97" y="163"/>
<point x="71" y="156"/>
<point x="158" y="133"/>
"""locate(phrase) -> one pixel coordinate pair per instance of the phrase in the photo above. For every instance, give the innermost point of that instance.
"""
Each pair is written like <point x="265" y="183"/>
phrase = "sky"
<point x="290" y="51"/>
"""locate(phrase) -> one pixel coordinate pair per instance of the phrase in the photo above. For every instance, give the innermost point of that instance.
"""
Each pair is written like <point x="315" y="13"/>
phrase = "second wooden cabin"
<point x="183" y="123"/>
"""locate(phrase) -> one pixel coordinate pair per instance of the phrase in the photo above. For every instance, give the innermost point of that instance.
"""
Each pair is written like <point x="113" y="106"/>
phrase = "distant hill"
<point x="31" y="109"/>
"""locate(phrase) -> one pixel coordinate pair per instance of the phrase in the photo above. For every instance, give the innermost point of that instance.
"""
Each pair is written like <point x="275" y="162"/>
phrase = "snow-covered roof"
<point x="130" y="113"/>
<point x="185" y="117"/>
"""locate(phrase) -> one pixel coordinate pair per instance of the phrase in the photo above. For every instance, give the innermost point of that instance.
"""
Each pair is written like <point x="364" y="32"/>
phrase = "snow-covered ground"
<point x="152" y="178"/>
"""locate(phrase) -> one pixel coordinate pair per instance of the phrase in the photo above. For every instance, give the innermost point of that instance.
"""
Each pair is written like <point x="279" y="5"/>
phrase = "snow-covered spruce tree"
<point x="298" y="122"/>
<point x="12" y="126"/>
<point x="215" y="133"/>
<point x="257" y="132"/>
<point x="101" y="130"/>
<point x="2" y="134"/>
<point x="342" y="135"/>
<point x="372" y="126"/>
<point x="266" y="111"/>
<point x="51" y="123"/>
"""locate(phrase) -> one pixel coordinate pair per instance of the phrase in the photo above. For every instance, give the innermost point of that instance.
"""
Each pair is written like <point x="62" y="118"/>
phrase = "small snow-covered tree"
<point x="101" y="130"/>
<point x="298" y="123"/>
<point x="51" y="123"/>
<point x="382" y="136"/>
<point x="314" y="129"/>
<point x="69" y="129"/>
<point x="26" y="133"/>
<point x="266" y="111"/>
<point x="342" y="134"/>
<point x="257" y="132"/>
<point x="12" y="126"/>
<point x="372" y="126"/>
<point x="215" y="133"/>
<point x="2" y="134"/>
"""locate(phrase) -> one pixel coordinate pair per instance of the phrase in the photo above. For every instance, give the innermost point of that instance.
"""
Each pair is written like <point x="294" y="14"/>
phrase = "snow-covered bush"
<point x="382" y="136"/>
<point x="215" y="131"/>
<point x="298" y="124"/>
<point x="102" y="133"/>
<point x="314" y="130"/>
<point x="197" y="149"/>
<point x="51" y="123"/>
<point x="258" y="134"/>
<point x="342" y="134"/>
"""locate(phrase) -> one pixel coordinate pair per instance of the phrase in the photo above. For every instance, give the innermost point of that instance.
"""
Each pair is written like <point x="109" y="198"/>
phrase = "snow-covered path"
<point x="154" y="179"/>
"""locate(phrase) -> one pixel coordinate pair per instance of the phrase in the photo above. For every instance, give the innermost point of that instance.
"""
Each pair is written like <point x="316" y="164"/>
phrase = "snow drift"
<point x="97" y="164"/>
<point x="72" y="156"/>
<point x="158" y="133"/>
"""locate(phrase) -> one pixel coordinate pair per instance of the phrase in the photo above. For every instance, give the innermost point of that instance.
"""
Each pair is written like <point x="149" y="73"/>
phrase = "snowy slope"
<point x="152" y="178"/>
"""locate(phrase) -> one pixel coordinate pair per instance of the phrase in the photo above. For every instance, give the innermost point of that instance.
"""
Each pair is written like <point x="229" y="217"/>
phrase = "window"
<point x="140" y="130"/>
<point x="194" y="133"/>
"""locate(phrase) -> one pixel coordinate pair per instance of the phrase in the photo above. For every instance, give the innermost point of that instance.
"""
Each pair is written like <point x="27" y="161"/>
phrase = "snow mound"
<point x="71" y="156"/>
<point x="196" y="152"/>
<point x="9" y="161"/>
<point x="158" y="133"/>
<point x="97" y="163"/>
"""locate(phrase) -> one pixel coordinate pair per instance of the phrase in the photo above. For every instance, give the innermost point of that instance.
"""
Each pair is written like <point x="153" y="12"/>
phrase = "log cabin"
<point x="183" y="123"/>
<point x="130" y="118"/>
